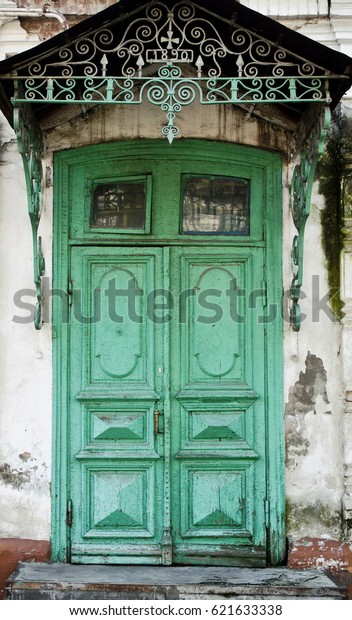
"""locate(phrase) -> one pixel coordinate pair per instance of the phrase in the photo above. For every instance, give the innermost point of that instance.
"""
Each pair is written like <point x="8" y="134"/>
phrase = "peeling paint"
<point x="296" y="445"/>
<point x="307" y="395"/>
<point x="14" y="477"/>
<point x="25" y="456"/>
<point x="323" y="553"/>
<point x="311" y="384"/>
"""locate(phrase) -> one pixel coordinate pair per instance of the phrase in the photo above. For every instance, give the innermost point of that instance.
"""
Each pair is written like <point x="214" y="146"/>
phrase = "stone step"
<point x="87" y="582"/>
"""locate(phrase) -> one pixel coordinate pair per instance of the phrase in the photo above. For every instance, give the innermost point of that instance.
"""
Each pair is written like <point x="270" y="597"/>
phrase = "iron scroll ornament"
<point x="301" y="192"/>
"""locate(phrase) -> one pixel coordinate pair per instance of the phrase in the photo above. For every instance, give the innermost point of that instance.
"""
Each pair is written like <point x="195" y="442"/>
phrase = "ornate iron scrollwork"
<point x="30" y="146"/>
<point x="301" y="191"/>
<point x="170" y="56"/>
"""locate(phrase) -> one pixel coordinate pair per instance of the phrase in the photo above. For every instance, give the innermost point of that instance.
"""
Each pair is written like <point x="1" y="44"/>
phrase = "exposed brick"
<point x="15" y="550"/>
<point x="318" y="552"/>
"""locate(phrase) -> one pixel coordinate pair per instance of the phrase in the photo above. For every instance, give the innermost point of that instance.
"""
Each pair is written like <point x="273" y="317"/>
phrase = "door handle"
<point x="158" y="422"/>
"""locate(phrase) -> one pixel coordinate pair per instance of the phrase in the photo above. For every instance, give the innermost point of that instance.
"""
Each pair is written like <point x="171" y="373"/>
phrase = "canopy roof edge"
<point x="231" y="18"/>
<point x="231" y="10"/>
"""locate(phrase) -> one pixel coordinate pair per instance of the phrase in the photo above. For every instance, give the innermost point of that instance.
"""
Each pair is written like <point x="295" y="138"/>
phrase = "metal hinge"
<point x="267" y="511"/>
<point x="70" y="292"/>
<point x="69" y="513"/>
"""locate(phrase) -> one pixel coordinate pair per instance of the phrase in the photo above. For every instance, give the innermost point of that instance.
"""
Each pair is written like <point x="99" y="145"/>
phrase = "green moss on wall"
<point x="307" y="520"/>
<point x="330" y="172"/>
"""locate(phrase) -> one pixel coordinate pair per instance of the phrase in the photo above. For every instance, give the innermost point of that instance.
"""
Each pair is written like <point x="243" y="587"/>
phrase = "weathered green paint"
<point x="197" y="490"/>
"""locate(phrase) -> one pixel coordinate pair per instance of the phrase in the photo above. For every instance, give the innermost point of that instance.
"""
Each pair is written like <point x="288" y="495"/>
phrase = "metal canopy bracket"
<point x="30" y="146"/>
<point x="301" y="192"/>
<point x="169" y="57"/>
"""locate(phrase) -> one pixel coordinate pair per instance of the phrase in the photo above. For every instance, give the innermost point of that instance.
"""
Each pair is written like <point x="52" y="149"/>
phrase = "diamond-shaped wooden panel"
<point x="216" y="426"/>
<point x="118" y="426"/>
<point x="215" y="503"/>
<point x="223" y="499"/>
<point x="121" y="502"/>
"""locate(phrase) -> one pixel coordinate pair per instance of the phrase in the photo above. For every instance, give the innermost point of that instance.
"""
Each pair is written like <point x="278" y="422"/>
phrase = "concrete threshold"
<point x="34" y="581"/>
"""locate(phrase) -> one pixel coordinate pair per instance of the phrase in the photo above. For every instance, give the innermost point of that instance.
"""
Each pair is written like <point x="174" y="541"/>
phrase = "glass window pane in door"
<point x="120" y="205"/>
<point x="215" y="205"/>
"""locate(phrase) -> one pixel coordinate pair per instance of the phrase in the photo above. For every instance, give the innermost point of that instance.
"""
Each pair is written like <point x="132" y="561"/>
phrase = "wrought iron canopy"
<point x="173" y="52"/>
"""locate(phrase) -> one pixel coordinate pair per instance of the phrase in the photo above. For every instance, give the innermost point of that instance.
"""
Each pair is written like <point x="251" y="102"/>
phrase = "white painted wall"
<point x="13" y="38"/>
<point x="314" y="479"/>
<point x="25" y="368"/>
<point x="314" y="440"/>
<point x="291" y="8"/>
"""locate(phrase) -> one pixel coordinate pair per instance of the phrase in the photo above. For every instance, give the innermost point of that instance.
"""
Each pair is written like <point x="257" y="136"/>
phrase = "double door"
<point x="167" y="415"/>
<point x="168" y="370"/>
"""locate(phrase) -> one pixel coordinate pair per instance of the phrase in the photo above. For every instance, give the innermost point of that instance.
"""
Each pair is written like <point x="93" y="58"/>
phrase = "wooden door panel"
<point x="107" y="344"/>
<point x="129" y="424"/>
<point x="117" y="462"/>
<point x="213" y="352"/>
<point x="218" y="409"/>
<point x="119" y="500"/>
<point x="222" y="515"/>
<point x="118" y="336"/>
<point x="224" y="427"/>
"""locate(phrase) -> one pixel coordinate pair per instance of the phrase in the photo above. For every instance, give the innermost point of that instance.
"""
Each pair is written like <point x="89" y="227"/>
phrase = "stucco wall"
<point x="25" y="363"/>
<point x="314" y="398"/>
<point x="313" y="375"/>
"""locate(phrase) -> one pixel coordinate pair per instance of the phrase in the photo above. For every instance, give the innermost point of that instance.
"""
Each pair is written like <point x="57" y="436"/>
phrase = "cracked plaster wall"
<point x="313" y="398"/>
<point x="25" y="367"/>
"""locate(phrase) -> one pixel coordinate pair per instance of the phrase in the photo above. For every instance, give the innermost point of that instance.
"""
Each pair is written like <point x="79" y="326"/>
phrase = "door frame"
<point x="270" y="164"/>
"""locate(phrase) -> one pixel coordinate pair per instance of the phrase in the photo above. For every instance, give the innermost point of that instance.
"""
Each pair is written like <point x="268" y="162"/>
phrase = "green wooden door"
<point x="217" y="408"/>
<point x="116" y="466"/>
<point x="172" y="441"/>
